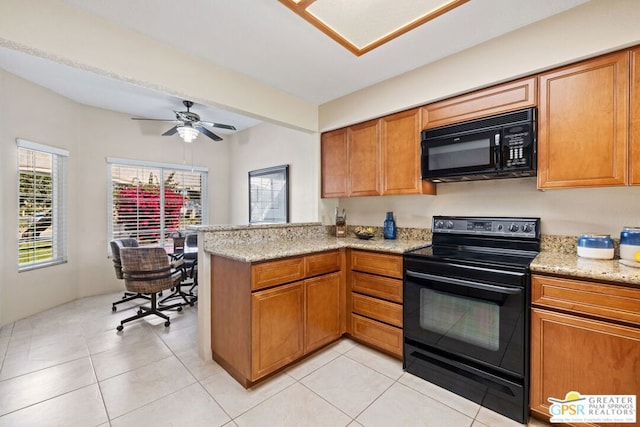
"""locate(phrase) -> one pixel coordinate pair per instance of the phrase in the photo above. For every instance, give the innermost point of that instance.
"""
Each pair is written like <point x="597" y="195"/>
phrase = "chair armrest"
<point x="177" y="263"/>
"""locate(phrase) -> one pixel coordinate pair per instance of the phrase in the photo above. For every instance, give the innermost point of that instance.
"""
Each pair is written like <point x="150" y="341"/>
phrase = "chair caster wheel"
<point x="191" y="303"/>
<point x="113" y="308"/>
<point x="119" y="328"/>
<point x="139" y="311"/>
<point x="179" y="309"/>
<point x="167" y="323"/>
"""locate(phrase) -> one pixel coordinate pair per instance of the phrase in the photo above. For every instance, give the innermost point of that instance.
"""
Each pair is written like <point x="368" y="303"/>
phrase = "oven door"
<point x="472" y="314"/>
<point x="449" y="156"/>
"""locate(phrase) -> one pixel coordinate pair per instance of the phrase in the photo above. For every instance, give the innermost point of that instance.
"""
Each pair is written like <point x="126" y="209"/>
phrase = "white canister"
<point x="630" y="243"/>
<point x="594" y="245"/>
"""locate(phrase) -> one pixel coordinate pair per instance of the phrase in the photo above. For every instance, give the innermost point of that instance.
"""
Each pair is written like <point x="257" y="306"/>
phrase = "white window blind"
<point x="42" y="237"/>
<point x="152" y="202"/>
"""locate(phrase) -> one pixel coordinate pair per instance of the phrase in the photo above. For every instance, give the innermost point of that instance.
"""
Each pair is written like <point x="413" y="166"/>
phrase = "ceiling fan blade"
<point x="219" y="125"/>
<point x="171" y="131"/>
<point x="208" y="133"/>
<point x="158" y="120"/>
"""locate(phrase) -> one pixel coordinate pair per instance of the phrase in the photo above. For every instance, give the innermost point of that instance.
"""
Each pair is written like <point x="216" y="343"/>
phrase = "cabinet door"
<point x="364" y="159"/>
<point x="400" y="145"/>
<point x="569" y="353"/>
<point x="582" y="125"/>
<point x="335" y="163"/>
<point x="322" y="314"/>
<point x="482" y="103"/>
<point x="634" y="133"/>
<point x="277" y="323"/>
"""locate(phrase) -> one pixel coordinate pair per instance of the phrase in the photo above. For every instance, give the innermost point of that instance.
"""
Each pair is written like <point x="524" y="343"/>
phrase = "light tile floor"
<point x="69" y="367"/>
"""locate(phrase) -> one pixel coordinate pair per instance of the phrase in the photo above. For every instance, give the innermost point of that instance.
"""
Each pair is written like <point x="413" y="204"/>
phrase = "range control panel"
<point x="487" y="226"/>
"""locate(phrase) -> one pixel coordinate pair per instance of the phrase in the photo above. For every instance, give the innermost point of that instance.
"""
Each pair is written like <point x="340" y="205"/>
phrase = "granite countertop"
<point x="269" y="250"/>
<point x="256" y="243"/>
<point x="572" y="266"/>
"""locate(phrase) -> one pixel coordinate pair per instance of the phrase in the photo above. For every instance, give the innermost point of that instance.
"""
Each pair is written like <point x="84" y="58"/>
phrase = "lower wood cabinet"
<point x="261" y="320"/>
<point x="376" y="300"/>
<point x="324" y="311"/>
<point x="277" y="323"/>
<point x="577" y="346"/>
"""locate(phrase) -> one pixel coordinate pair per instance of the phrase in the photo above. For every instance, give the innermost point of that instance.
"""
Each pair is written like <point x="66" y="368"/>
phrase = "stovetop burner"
<point x="486" y="241"/>
<point x="477" y="256"/>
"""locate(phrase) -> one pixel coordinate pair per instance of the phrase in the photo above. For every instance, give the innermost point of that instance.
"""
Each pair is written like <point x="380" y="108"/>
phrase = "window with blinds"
<point x="153" y="202"/>
<point x="42" y="209"/>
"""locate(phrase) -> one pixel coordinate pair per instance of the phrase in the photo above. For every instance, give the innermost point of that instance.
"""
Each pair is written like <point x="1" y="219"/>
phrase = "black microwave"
<point x="501" y="146"/>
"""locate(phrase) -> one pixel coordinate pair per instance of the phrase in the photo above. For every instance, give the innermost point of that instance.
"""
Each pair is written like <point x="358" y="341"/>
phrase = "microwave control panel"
<point x="517" y="149"/>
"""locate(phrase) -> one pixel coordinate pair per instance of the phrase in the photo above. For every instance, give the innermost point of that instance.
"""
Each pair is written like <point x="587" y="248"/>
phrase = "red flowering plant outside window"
<point x="140" y="213"/>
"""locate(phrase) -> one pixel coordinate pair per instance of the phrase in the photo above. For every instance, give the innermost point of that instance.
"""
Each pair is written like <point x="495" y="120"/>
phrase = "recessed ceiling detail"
<point x="362" y="25"/>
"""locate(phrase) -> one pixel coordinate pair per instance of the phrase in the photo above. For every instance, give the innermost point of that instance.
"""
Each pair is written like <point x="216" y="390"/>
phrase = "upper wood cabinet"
<point x="350" y="160"/>
<point x="364" y="159"/>
<point x="583" y="123"/>
<point x="335" y="167"/>
<point x="482" y="103"/>
<point x="400" y="145"/>
<point x="377" y="157"/>
<point x="634" y="130"/>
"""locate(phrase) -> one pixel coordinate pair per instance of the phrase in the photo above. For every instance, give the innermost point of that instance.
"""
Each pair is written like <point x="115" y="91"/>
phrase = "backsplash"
<point x="569" y="244"/>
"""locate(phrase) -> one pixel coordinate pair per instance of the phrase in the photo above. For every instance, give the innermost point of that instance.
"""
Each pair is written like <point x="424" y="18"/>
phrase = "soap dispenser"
<point x="389" y="229"/>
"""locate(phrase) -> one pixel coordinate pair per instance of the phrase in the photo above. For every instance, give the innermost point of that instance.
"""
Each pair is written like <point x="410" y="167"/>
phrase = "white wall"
<point x="568" y="212"/>
<point x="90" y="134"/>
<point x="268" y="145"/>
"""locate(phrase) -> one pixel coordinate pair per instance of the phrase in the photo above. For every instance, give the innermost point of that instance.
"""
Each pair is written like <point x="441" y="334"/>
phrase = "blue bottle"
<point x="389" y="229"/>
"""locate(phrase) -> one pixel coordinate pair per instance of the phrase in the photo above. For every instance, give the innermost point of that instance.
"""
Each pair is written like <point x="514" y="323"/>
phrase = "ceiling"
<point x="266" y="41"/>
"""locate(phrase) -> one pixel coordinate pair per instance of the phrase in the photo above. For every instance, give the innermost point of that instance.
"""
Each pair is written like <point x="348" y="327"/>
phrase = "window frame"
<point x="272" y="175"/>
<point x="59" y="233"/>
<point x="162" y="168"/>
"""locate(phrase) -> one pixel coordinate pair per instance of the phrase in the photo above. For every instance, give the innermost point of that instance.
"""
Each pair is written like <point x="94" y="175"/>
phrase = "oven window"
<point x="468" y="320"/>
<point x="461" y="154"/>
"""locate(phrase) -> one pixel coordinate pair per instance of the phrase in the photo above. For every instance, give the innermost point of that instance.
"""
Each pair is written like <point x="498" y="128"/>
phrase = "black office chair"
<point x="116" y="246"/>
<point x="189" y="260"/>
<point x="147" y="270"/>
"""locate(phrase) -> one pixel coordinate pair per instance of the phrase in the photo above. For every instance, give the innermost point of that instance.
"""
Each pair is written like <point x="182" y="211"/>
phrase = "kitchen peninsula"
<point x="248" y="275"/>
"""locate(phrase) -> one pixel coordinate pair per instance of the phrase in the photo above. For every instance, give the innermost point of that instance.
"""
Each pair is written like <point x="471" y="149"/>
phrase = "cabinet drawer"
<point x="609" y="301"/>
<point x="376" y="286"/>
<point x="378" y="334"/>
<point x="377" y="263"/>
<point x="273" y="273"/>
<point x="384" y="311"/>
<point x="326" y="262"/>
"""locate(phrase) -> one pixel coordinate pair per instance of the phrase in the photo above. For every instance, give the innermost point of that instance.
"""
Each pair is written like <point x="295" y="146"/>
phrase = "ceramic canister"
<point x="592" y="245"/>
<point x="630" y="243"/>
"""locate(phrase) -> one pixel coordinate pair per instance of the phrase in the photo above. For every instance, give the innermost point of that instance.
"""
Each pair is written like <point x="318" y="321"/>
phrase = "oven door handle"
<point x="465" y="283"/>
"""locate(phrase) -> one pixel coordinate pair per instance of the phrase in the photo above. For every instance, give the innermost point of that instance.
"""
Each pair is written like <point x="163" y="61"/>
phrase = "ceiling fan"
<point x="189" y="125"/>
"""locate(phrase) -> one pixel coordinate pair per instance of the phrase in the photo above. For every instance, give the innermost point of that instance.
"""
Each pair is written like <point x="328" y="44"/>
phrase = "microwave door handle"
<point x="465" y="283"/>
<point x="497" y="152"/>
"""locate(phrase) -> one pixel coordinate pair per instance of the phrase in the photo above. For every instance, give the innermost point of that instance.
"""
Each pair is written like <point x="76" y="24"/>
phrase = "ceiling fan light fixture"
<point x="187" y="132"/>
